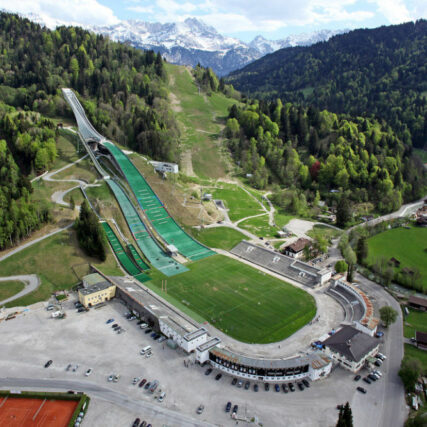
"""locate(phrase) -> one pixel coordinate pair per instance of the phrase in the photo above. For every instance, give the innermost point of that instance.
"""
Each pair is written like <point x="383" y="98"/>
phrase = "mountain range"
<point x="192" y="41"/>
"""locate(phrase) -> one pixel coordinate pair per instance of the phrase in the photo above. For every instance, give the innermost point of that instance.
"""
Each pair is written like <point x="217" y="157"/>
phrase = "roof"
<point x="299" y="245"/>
<point x="418" y="301"/>
<point x="351" y="343"/>
<point x="421" y="337"/>
<point x="92" y="279"/>
<point x="95" y="288"/>
<point x="316" y="360"/>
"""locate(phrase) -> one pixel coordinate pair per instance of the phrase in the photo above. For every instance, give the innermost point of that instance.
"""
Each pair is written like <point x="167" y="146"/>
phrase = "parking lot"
<point x="84" y="339"/>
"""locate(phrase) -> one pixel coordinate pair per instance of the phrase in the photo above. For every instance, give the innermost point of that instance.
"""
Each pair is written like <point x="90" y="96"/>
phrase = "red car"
<point x="141" y="384"/>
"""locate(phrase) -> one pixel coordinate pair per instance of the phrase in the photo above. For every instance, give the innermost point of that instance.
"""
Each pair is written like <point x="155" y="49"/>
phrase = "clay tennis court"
<point x="16" y="412"/>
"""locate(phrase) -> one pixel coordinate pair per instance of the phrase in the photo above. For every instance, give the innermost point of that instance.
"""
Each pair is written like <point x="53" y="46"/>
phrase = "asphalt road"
<point x="103" y="393"/>
<point x="32" y="282"/>
<point x="390" y="409"/>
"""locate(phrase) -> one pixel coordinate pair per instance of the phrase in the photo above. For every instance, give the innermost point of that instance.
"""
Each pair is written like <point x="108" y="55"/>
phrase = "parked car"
<point x="147" y="386"/>
<point x="162" y="396"/>
<point x="88" y="372"/>
<point x="379" y="334"/>
<point x="110" y="378"/>
<point x="115" y="325"/>
<point x="247" y="385"/>
<point x="357" y="377"/>
<point x="306" y="383"/>
<point x="68" y="367"/>
<point x="162" y="338"/>
<point x="109" y="321"/>
<point x="148" y="330"/>
<point x="240" y="384"/>
<point x="381" y="356"/>
<point x="208" y="371"/>
<point x="141" y="384"/>
<point x="116" y="378"/>
<point x="48" y="363"/>
<point x="266" y="386"/>
<point x="377" y="373"/>
<point x="372" y="377"/>
<point x="285" y="388"/>
<point x="228" y="407"/>
<point x="153" y="334"/>
<point x="291" y="387"/>
<point x="361" y="389"/>
<point x="301" y="386"/>
<point x="367" y="380"/>
<point x="234" y="381"/>
<point x="135" y="381"/>
<point x="75" y="368"/>
<point x="378" y="362"/>
<point x="136" y="422"/>
<point x="256" y="387"/>
<point x="218" y="377"/>
<point x="200" y="409"/>
<point x="277" y="387"/>
<point x="235" y="409"/>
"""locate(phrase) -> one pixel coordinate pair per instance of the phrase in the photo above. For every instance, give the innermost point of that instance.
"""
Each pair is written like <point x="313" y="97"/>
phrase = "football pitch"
<point x="241" y="301"/>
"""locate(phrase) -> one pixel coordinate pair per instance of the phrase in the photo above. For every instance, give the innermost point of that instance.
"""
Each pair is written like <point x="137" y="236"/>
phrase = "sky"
<point x="243" y="19"/>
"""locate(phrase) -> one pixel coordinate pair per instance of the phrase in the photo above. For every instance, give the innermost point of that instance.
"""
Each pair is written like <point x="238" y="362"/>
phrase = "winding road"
<point x="32" y="282"/>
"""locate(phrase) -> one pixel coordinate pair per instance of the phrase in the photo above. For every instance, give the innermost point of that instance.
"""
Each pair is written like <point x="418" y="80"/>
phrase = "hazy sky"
<point x="238" y="18"/>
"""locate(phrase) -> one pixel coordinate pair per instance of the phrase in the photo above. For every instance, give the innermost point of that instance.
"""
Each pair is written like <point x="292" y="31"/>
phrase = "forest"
<point x="123" y="89"/>
<point x="321" y="154"/>
<point x="379" y="73"/>
<point x="18" y="216"/>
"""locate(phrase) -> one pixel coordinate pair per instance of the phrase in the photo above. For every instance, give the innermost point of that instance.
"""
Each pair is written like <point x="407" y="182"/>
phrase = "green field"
<point x="324" y="231"/>
<point x="416" y="321"/>
<point x="406" y="245"/>
<point x="259" y="226"/>
<point x="10" y="288"/>
<point x="201" y="118"/>
<point x="416" y="353"/>
<point x="218" y="237"/>
<point x="239" y="203"/>
<point x="243" y="302"/>
<point x="56" y="260"/>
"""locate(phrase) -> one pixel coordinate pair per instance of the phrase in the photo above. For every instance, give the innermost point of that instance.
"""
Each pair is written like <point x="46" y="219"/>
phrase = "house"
<point x="96" y="290"/>
<point x="296" y="249"/>
<point x="207" y="196"/>
<point x="281" y="234"/>
<point x="421" y="339"/>
<point x="351" y="348"/>
<point x="418" y="303"/>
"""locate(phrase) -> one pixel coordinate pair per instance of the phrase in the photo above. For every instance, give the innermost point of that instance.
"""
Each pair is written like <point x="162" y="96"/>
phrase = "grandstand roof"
<point x="316" y="360"/>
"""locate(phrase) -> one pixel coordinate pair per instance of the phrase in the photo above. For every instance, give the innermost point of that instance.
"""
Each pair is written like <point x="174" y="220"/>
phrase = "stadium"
<point x="240" y="303"/>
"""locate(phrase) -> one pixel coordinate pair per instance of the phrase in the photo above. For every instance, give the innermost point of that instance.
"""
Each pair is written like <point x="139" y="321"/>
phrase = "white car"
<point x="111" y="378"/>
<point x="148" y="355"/>
<point x="88" y="372"/>
<point x="135" y="380"/>
<point x="162" y="396"/>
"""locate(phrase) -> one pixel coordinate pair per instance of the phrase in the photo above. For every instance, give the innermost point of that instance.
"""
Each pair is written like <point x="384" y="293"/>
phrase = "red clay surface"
<point x="19" y="412"/>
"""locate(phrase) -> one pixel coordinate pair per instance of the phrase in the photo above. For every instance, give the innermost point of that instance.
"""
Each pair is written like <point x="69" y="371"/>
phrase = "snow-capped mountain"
<point x="192" y="41"/>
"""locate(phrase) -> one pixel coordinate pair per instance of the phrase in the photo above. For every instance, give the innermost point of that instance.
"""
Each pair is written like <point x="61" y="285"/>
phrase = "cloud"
<point x="84" y="12"/>
<point x="233" y="16"/>
<point x="395" y="11"/>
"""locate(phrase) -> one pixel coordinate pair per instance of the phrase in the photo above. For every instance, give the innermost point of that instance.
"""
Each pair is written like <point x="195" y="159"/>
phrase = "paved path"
<point x="32" y="282"/>
<point x="32" y="242"/>
<point x="148" y="409"/>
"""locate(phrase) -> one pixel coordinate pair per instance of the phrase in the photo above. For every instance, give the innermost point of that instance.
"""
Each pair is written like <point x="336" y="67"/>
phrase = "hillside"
<point x="318" y="154"/>
<point x="377" y="72"/>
